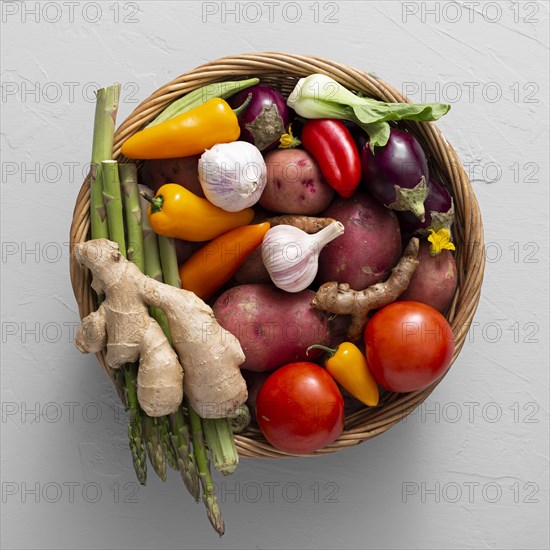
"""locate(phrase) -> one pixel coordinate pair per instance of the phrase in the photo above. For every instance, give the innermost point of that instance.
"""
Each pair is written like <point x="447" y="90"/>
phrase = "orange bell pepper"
<point x="208" y="269"/>
<point x="190" y="133"/>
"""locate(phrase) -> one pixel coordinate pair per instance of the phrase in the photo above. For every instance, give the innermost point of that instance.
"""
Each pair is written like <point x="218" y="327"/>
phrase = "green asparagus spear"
<point x="154" y="445"/>
<point x="132" y="211"/>
<point x="179" y="438"/>
<point x="203" y="465"/>
<point x="102" y="149"/>
<point x="128" y="177"/>
<point x="166" y="437"/>
<point x="181" y="441"/>
<point x="219" y="437"/>
<point x="153" y="267"/>
<point x="171" y="276"/>
<point x="113" y="203"/>
<point x="137" y="446"/>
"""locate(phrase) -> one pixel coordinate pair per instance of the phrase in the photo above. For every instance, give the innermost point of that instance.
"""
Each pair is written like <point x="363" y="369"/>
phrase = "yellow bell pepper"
<point x="176" y="212"/>
<point x="190" y="133"/>
<point x="348" y="366"/>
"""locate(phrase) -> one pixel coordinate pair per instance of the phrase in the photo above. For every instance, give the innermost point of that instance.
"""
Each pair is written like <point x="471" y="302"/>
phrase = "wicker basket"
<point x="283" y="70"/>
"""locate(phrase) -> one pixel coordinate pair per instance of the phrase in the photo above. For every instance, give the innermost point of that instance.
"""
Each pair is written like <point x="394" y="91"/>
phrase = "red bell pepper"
<point x="333" y="147"/>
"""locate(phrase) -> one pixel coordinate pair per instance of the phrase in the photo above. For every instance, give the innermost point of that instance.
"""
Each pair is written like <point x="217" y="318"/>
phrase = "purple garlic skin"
<point x="439" y="211"/>
<point x="397" y="174"/>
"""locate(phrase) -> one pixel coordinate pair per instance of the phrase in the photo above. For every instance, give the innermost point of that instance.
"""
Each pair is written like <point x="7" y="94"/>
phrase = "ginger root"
<point x="309" y="224"/>
<point x="210" y="354"/>
<point x="341" y="300"/>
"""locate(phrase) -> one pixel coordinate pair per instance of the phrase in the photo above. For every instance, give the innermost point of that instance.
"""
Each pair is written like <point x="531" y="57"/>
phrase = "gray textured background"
<point x="468" y="470"/>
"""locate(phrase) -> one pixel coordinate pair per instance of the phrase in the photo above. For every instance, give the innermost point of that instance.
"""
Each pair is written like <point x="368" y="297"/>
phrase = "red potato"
<point x="183" y="171"/>
<point x="369" y="247"/>
<point x="253" y="270"/>
<point x="434" y="280"/>
<point x="295" y="184"/>
<point x="273" y="326"/>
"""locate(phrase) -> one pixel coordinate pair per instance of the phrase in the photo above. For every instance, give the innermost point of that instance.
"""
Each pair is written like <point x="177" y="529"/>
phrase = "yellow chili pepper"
<point x="176" y="212"/>
<point x="190" y="133"/>
<point x="208" y="269"/>
<point x="348" y="366"/>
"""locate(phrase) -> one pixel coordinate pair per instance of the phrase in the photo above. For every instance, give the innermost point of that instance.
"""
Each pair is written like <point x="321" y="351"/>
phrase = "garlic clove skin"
<point x="291" y="256"/>
<point x="287" y="258"/>
<point x="233" y="175"/>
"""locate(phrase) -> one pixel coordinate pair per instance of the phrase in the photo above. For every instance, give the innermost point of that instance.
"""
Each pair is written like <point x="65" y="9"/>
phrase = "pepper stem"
<point x="156" y="202"/>
<point x="326" y="349"/>
<point x="244" y="105"/>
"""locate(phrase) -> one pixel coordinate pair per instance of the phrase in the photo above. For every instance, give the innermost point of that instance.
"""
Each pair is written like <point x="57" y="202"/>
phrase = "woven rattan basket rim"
<point x="283" y="69"/>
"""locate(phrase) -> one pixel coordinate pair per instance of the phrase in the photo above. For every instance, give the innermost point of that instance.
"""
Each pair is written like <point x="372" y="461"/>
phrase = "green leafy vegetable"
<point x="319" y="96"/>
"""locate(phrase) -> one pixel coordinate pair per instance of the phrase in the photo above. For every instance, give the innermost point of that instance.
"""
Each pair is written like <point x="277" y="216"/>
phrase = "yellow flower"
<point x="288" y="141"/>
<point x="441" y="240"/>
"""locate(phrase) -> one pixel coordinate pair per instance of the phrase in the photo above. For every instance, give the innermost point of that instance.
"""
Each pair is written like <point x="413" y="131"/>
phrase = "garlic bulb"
<point x="291" y="256"/>
<point x="233" y="175"/>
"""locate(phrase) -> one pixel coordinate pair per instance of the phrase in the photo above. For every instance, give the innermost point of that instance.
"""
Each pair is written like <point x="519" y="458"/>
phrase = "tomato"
<point x="300" y="408"/>
<point x="409" y="346"/>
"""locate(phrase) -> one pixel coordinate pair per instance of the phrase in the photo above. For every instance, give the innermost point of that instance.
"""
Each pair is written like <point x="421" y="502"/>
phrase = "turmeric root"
<point x="340" y="299"/>
<point x="211" y="355"/>
<point x="309" y="224"/>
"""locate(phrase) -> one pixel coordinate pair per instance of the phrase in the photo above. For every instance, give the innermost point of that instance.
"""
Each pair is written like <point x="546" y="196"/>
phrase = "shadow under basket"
<point x="283" y="71"/>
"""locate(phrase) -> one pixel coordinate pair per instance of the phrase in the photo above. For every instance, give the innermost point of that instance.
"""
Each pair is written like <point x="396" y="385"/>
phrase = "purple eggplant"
<point x="397" y="173"/>
<point x="266" y="117"/>
<point x="439" y="211"/>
